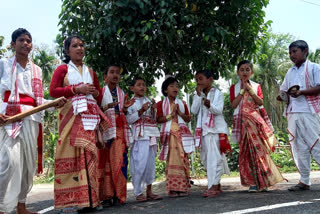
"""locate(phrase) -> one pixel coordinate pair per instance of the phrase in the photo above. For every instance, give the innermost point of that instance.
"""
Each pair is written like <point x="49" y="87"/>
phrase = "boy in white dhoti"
<point x="21" y="89"/>
<point x="141" y="116"/>
<point x="302" y="83"/>
<point x="211" y="132"/>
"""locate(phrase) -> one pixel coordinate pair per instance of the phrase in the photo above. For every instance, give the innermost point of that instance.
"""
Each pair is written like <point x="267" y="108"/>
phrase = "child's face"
<point x="139" y="89"/>
<point x="297" y="56"/>
<point x="245" y="72"/>
<point x="23" y="45"/>
<point x="173" y="90"/>
<point x="113" y="75"/>
<point x="203" y="82"/>
<point x="76" y="50"/>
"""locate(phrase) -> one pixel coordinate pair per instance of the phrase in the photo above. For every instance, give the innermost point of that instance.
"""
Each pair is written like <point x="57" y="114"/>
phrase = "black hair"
<point x="300" y="44"/>
<point x="66" y="46"/>
<point x="112" y="65"/>
<point x="206" y="73"/>
<point x="134" y="81"/>
<point x="244" y="62"/>
<point x="166" y="83"/>
<point x="19" y="32"/>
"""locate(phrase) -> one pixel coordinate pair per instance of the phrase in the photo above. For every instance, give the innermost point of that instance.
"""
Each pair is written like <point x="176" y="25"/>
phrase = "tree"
<point x="149" y="36"/>
<point x="46" y="62"/>
<point x="315" y="56"/>
<point x="272" y="63"/>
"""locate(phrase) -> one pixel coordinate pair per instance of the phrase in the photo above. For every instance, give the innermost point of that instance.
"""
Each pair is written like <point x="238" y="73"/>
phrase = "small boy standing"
<point x="113" y="160"/>
<point x="211" y="132"/>
<point x="303" y="111"/>
<point x="141" y="116"/>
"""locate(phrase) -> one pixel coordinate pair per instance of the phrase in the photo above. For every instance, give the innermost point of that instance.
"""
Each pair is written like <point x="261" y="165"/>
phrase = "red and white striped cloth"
<point x="13" y="106"/>
<point x="85" y="105"/>
<point x="110" y="133"/>
<point x="313" y="101"/>
<point x="209" y="122"/>
<point x="187" y="138"/>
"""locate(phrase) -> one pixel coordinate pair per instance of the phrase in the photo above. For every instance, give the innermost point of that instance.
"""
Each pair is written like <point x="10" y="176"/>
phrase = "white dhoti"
<point x="17" y="165"/>
<point x="213" y="160"/>
<point x="304" y="134"/>
<point x="142" y="165"/>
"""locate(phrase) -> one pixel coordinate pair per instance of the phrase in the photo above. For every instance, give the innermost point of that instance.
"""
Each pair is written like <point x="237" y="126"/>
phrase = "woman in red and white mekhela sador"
<point x="76" y="160"/>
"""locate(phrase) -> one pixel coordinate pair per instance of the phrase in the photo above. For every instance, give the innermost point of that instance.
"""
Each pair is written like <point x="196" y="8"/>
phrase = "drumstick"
<point x="32" y="111"/>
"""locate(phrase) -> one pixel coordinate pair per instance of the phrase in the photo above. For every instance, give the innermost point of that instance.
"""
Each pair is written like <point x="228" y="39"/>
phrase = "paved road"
<point x="234" y="199"/>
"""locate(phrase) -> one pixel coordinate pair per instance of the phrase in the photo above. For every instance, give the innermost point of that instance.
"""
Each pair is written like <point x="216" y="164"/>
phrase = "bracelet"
<point x="72" y="90"/>
<point x="169" y="117"/>
<point x="241" y="92"/>
<point x="251" y="92"/>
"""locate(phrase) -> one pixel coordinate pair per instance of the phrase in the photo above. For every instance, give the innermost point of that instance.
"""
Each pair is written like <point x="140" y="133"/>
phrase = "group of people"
<point x="97" y="126"/>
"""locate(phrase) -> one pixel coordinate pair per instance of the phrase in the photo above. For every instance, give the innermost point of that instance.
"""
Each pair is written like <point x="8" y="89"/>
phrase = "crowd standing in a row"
<point x="97" y="126"/>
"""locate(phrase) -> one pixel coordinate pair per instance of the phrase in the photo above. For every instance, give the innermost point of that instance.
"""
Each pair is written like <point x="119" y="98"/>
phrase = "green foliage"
<point x="46" y="62"/>
<point x="233" y="158"/>
<point x="160" y="169"/>
<point x="273" y="63"/>
<point x="198" y="169"/>
<point x="315" y="56"/>
<point x="149" y="36"/>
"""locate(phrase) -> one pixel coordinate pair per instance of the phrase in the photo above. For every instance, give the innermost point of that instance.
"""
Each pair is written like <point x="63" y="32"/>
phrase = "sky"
<point x="297" y="17"/>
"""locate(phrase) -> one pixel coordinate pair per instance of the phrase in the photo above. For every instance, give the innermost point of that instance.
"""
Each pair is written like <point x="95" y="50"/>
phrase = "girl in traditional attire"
<point x="76" y="159"/>
<point x="254" y="132"/>
<point x="176" y="139"/>
<point x="113" y="159"/>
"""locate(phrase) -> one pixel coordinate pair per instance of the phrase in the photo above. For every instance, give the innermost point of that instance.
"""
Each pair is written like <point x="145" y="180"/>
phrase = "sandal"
<point x="141" y="198"/>
<point x="173" y="194"/>
<point x="152" y="196"/>
<point x="299" y="187"/>
<point x="211" y="193"/>
<point x="69" y="210"/>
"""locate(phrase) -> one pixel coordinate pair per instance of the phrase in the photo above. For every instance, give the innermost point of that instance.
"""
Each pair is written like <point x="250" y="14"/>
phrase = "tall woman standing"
<point x="76" y="159"/>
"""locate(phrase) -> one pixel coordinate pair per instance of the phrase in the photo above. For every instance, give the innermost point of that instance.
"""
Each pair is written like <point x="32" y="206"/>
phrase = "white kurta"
<point x="143" y="150"/>
<point x="213" y="160"/>
<point x="17" y="156"/>
<point x="303" y="125"/>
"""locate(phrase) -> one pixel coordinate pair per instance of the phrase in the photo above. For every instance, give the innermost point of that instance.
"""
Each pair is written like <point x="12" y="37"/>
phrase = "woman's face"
<point x="245" y="72"/>
<point x="76" y="50"/>
<point x="173" y="90"/>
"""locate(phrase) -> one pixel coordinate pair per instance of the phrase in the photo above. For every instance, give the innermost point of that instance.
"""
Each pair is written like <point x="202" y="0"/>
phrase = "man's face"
<point x="23" y="45"/>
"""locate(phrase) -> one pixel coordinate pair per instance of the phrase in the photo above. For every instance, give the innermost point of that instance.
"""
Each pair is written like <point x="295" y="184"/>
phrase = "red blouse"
<point x="57" y="88"/>
<point x="232" y="92"/>
<point x="160" y="112"/>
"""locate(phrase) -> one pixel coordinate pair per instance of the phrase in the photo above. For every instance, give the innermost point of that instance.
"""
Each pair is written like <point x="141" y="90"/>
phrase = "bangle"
<point x="241" y="92"/>
<point x="251" y="92"/>
<point x="72" y="90"/>
<point x="169" y="117"/>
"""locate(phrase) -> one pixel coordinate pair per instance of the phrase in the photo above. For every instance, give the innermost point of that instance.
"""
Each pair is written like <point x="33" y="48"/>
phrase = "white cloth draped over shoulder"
<point x="90" y="117"/>
<point x="209" y="120"/>
<point x="110" y="133"/>
<point x="306" y="76"/>
<point x="29" y="80"/>
<point x="187" y="138"/>
<point x="143" y="127"/>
